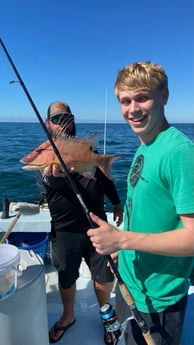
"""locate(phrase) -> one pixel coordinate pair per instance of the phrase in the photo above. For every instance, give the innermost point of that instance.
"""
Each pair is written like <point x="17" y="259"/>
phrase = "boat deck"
<point x="88" y="328"/>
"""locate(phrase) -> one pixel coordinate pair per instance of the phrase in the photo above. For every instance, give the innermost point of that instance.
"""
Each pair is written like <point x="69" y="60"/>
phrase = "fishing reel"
<point x="112" y="326"/>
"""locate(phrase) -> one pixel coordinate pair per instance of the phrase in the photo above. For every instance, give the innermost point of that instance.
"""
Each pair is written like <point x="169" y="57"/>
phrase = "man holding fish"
<point x="91" y="173"/>
<point x="156" y="248"/>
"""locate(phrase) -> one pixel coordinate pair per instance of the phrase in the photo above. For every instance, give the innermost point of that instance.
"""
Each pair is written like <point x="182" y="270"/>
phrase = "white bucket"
<point x="9" y="259"/>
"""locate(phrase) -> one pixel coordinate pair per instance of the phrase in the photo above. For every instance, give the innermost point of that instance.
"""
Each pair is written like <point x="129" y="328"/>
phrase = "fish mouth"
<point x="33" y="167"/>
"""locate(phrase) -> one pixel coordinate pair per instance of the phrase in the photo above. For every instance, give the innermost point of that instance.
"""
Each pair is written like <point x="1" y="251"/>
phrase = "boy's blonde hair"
<point x="141" y="75"/>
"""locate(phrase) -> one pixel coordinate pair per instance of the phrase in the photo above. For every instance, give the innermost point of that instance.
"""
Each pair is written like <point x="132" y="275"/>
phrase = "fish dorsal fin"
<point x="57" y="135"/>
<point x="92" y="139"/>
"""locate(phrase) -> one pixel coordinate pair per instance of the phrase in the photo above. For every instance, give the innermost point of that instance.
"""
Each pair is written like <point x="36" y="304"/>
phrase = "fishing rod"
<point x="129" y="299"/>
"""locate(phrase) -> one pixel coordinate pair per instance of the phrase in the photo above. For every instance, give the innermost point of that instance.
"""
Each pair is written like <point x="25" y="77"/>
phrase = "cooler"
<point x="23" y="315"/>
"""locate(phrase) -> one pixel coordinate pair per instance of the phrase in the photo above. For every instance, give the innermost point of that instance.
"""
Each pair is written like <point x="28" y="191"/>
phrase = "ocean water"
<point x="18" y="139"/>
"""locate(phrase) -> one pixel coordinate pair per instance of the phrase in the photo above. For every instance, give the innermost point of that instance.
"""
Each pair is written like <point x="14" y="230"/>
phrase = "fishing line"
<point x="105" y="122"/>
<point x="128" y="298"/>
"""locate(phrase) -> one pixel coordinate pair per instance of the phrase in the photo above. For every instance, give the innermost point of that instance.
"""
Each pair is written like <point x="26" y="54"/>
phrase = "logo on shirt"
<point x="136" y="171"/>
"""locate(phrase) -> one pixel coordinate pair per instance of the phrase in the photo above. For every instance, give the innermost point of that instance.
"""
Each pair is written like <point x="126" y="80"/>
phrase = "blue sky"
<point x="72" y="50"/>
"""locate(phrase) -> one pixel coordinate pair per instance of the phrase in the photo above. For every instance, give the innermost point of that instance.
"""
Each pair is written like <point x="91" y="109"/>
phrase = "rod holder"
<point x="5" y="212"/>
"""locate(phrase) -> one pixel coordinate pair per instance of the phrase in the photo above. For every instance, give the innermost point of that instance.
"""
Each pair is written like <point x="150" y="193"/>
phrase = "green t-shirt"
<point x="160" y="187"/>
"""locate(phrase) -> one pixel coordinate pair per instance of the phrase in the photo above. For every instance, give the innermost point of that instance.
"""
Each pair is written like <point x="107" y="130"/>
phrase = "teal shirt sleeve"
<point x="179" y="174"/>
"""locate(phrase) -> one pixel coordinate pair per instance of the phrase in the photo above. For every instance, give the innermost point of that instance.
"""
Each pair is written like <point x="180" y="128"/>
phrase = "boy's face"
<point x="144" y="111"/>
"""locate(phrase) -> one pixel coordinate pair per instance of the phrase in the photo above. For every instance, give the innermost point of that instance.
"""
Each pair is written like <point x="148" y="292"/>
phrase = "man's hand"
<point x="118" y="214"/>
<point x="105" y="238"/>
<point x="55" y="170"/>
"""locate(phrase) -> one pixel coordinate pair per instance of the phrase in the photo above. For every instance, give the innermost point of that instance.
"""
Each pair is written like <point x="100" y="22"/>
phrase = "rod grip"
<point x="148" y="338"/>
<point x="127" y="296"/>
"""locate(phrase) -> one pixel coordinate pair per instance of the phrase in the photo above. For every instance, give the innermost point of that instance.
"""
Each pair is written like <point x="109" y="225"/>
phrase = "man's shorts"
<point x="68" y="249"/>
<point x="165" y="327"/>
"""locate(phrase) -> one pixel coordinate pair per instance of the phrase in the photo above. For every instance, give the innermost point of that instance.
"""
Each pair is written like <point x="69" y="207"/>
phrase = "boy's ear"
<point x="165" y="96"/>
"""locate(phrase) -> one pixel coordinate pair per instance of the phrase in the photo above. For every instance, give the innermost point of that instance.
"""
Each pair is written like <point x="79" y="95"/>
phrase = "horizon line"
<point x="92" y="122"/>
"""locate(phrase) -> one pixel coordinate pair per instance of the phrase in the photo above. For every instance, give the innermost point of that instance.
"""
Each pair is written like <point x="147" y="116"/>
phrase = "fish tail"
<point x="105" y="164"/>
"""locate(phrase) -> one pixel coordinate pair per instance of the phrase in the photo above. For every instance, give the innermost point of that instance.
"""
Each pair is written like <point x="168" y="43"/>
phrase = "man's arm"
<point x="108" y="239"/>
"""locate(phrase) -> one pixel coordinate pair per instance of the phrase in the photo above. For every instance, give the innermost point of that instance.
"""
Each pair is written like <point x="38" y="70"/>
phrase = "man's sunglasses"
<point x="61" y="119"/>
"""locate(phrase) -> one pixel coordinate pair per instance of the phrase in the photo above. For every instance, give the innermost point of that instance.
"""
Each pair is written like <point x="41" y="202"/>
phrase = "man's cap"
<point x="58" y="108"/>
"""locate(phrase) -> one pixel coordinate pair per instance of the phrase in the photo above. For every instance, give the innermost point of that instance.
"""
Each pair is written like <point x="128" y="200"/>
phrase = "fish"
<point x="75" y="152"/>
